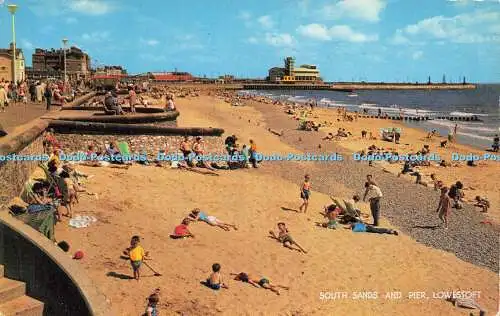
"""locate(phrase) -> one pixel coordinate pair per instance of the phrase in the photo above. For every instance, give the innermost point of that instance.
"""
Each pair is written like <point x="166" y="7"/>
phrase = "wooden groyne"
<point x="472" y="118"/>
<point x="123" y="119"/>
<point x="72" y="127"/>
<point x="399" y="86"/>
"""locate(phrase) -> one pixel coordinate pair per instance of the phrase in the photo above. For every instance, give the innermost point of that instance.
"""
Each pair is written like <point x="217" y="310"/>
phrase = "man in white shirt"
<point x="375" y="195"/>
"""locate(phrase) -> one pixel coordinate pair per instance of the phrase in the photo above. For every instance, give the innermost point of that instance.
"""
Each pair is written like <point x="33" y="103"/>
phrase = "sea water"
<point x="484" y="102"/>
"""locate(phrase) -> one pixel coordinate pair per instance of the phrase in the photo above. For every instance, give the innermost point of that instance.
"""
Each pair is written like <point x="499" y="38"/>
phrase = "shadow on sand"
<point x="427" y="226"/>
<point x="119" y="276"/>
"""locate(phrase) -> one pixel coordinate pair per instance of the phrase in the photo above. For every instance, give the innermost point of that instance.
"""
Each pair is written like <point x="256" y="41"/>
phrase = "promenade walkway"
<point x="19" y="113"/>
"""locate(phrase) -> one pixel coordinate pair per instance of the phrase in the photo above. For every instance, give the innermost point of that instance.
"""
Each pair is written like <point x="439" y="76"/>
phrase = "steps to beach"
<point x="14" y="302"/>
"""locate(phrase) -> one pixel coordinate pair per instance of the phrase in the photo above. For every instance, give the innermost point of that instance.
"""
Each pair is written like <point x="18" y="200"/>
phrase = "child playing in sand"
<point x="438" y="184"/>
<point x="259" y="282"/>
<point x="483" y="203"/>
<point x="305" y="192"/>
<point x="215" y="281"/>
<point x="197" y="214"/>
<point x="285" y="238"/>
<point x="153" y="301"/>
<point x="136" y="254"/>
<point x="331" y="215"/>
<point x="182" y="229"/>
<point x="444" y="207"/>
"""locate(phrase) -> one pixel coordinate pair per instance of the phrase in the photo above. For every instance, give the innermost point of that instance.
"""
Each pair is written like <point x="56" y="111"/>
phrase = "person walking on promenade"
<point x="48" y="96"/>
<point x="375" y="196"/>
<point x="32" y="91"/>
<point x="4" y="100"/>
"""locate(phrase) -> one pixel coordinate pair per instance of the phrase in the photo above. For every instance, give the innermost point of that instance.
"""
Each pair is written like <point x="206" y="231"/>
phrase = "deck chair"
<point x="349" y="213"/>
<point x="124" y="149"/>
<point x="50" y="179"/>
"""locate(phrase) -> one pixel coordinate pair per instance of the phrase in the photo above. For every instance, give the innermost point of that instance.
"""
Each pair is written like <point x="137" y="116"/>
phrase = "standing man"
<point x="32" y="91"/>
<point x="132" y="97"/>
<point x="48" y="96"/>
<point x="375" y="196"/>
<point x="369" y="180"/>
<point x="39" y="92"/>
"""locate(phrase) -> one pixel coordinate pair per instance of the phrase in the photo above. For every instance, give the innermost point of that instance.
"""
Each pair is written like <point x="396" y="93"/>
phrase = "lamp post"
<point x="12" y="9"/>
<point x="65" y="41"/>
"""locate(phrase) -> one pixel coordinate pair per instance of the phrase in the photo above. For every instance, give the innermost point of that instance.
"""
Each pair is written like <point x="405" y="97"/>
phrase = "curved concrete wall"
<point x="50" y="274"/>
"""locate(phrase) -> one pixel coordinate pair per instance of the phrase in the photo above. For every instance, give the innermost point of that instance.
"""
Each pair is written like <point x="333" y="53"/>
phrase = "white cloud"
<point x="150" y="42"/>
<point x="266" y="21"/>
<point x="244" y="15"/>
<point x="65" y="7"/>
<point x="279" y="39"/>
<point x="315" y="31"/>
<point x="417" y="55"/>
<point x="95" y="36"/>
<point x="399" y="38"/>
<point x="70" y="20"/>
<point x="365" y="10"/>
<point x="476" y="27"/>
<point x="91" y="7"/>
<point x="25" y="44"/>
<point x="252" y="40"/>
<point x="336" y="32"/>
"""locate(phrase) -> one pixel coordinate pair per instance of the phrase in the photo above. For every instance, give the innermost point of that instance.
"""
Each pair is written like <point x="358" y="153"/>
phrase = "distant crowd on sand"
<point x="304" y="112"/>
<point x="52" y="92"/>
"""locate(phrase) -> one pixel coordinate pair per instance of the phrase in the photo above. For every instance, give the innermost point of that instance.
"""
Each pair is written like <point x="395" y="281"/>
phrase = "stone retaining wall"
<point x="13" y="174"/>
<point x="151" y="144"/>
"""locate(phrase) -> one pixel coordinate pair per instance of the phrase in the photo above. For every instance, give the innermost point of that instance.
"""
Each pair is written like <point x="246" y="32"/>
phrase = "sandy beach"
<point x="150" y="201"/>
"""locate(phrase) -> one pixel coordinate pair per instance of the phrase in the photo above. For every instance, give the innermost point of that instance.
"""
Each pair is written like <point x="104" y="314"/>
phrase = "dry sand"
<point x="150" y="201"/>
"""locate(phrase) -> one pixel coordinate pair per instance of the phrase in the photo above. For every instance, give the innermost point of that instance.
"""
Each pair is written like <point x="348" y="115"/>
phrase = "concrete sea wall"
<point x="51" y="276"/>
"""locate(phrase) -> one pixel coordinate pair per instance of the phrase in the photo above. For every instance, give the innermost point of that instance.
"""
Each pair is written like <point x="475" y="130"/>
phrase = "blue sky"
<point x="372" y="40"/>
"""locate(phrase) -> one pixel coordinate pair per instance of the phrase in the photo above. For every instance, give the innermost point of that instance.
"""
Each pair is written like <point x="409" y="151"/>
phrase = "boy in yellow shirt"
<point x="136" y="254"/>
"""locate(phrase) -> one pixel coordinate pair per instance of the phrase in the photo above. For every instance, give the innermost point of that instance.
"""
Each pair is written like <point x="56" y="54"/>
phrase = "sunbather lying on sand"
<point x="197" y="214"/>
<point x="360" y="227"/>
<point x="259" y="282"/>
<point x="285" y="238"/>
<point x="328" y="137"/>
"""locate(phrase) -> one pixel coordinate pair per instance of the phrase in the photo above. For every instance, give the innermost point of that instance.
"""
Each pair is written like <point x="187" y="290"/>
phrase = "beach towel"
<point x="81" y="221"/>
<point x="43" y="221"/>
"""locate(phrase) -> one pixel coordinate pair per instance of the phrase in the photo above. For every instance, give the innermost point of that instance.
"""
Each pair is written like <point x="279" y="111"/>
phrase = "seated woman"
<point x="198" y="150"/>
<point x="113" y="151"/>
<point x="197" y="214"/>
<point x="331" y="215"/>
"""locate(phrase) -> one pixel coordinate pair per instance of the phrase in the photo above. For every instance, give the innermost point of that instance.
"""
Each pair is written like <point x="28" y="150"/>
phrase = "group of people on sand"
<point x="248" y="152"/>
<point x="61" y="183"/>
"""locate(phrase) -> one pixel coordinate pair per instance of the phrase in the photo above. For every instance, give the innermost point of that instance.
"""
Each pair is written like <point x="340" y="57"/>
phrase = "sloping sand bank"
<point x="150" y="201"/>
